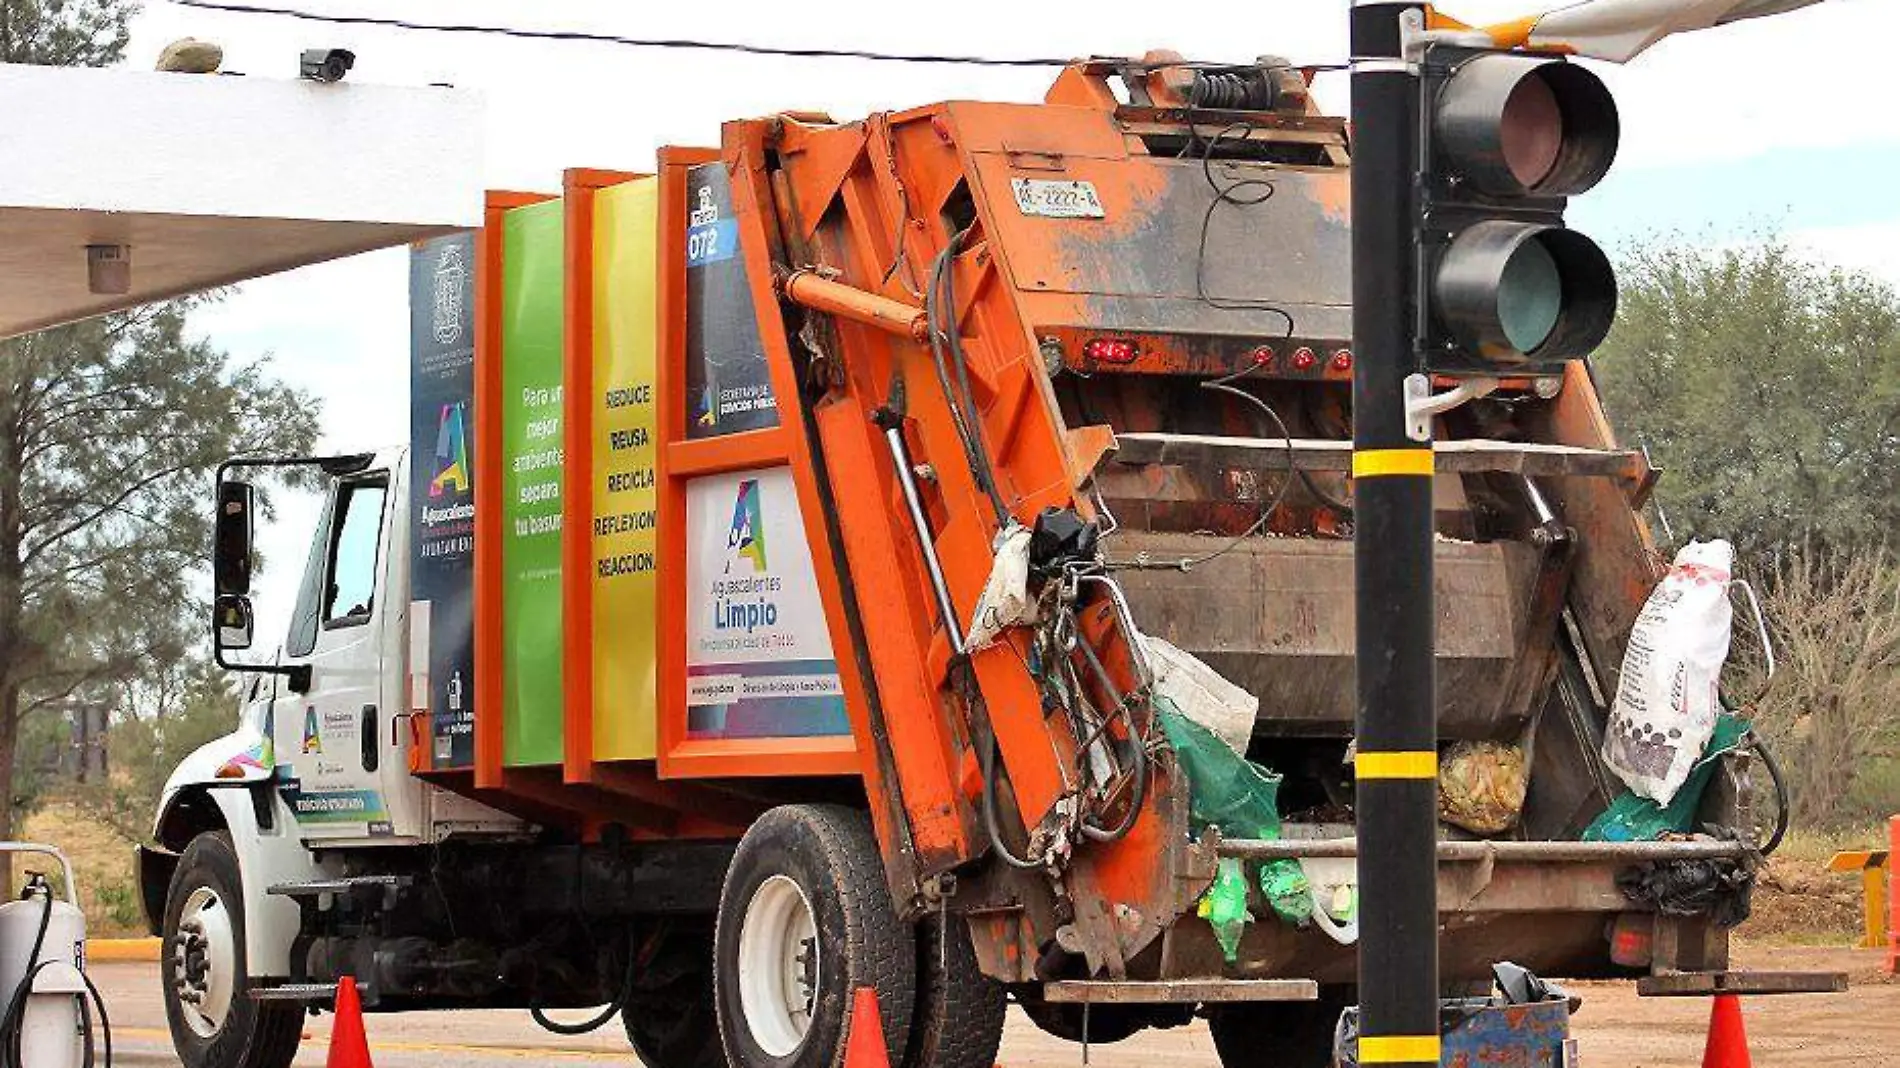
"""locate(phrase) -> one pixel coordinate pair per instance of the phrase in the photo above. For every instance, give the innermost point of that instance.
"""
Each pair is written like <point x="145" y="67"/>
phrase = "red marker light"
<point x="1262" y="356"/>
<point x="1110" y="350"/>
<point x="1342" y="360"/>
<point x="1304" y="359"/>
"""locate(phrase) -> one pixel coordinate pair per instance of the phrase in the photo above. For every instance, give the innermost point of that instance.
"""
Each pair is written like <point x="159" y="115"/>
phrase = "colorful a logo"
<point x="747" y="536"/>
<point x="451" y="452"/>
<point x="708" y="414"/>
<point x="312" y="737"/>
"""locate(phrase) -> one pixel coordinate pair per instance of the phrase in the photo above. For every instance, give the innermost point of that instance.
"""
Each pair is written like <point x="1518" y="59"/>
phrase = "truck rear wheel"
<point x="214" y="1021"/>
<point x="805" y="921"/>
<point x="959" y="1018"/>
<point x="1276" y="1034"/>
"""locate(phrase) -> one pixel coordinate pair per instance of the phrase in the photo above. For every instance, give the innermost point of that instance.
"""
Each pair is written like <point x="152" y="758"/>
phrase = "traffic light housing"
<point x="1506" y="139"/>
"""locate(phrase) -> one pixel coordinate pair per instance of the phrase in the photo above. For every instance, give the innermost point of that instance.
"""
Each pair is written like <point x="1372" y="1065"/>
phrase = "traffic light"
<point x="1508" y="137"/>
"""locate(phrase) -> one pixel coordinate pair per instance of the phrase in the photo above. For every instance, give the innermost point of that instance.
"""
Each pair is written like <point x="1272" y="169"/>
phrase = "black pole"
<point x="1397" y="762"/>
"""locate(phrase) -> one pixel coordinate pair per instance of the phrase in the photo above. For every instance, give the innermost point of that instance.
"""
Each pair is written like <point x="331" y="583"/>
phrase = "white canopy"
<point x="206" y="180"/>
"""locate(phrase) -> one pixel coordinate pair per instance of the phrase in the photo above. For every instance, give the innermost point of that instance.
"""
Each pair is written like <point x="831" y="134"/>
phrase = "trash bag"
<point x="1667" y="702"/>
<point x="1224" y="906"/>
<point x="1240" y="799"/>
<point x="1202" y="695"/>
<point x="1005" y="602"/>
<point x="1721" y="888"/>
<point x="1287" y="890"/>
<point x="1481" y="786"/>
<point x="1633" y="818"/>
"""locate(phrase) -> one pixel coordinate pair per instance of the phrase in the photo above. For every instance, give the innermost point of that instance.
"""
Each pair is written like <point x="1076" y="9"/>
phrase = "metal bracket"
<point x="1421" y="404"/>
<point x="1415" y="38"/>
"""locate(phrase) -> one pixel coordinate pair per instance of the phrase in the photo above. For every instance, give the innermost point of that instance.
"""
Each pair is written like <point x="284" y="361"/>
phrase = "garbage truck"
<point x="911" y="555"/>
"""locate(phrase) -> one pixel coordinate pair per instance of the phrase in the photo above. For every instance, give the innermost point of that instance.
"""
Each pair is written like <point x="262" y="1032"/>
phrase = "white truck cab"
<point x="318" y="764"/>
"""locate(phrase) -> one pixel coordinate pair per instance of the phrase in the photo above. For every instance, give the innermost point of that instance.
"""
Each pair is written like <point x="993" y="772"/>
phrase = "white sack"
<point x="1005" y="601"/>
<point x="1666" y="701"/>
<point x="1201" y="695"/>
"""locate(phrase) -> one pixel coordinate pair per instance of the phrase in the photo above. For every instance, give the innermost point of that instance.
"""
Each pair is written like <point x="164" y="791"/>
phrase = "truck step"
<point x="1179" y="991"/>
<point x="295" y="992"/>
<point x="354" y="884"/>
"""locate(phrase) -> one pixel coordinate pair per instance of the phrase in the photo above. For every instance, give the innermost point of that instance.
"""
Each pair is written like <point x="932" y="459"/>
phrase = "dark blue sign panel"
<point x="442" y="491"/>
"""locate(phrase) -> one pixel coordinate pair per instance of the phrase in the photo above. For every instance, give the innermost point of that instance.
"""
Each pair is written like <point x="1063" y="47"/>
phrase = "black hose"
<point x="986" y="762"/>
<point x="13" y="1021"/>
<point x="1781" y="793"/>
<point x="594" y="1023"/>
<point x="1138" y="792"/>
<point x="940" y="311"/>
<point x="13" y="1024"/>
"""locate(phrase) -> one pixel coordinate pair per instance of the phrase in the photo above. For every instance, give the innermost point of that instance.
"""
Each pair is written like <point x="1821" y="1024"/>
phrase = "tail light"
<point x="1304" y="359"/>
<point x="1342" y="360"/>
<point x="1633" y="939"/>
<point x="1110" y="350"/>
<point x="1262" y="356"/>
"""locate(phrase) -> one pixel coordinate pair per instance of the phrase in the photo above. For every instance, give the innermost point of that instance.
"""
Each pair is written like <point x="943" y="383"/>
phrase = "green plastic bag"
<point x="1633" y="818"/>
<point x="1224" y="906"/>
<point x="1239" y="797"/>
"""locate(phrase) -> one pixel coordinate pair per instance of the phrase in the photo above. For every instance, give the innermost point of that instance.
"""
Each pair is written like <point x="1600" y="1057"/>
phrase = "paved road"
<point x="1616" y="1030"/>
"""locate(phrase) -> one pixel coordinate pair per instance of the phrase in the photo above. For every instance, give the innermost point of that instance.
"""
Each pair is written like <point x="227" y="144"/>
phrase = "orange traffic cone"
<point x="864" y="1047"/>
<point x="1728" y="1039"/>
<point x="349" y="1046"/>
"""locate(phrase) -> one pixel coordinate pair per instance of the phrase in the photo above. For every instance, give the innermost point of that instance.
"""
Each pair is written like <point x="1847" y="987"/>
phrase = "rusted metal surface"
<point x="1284" y="629"/>
<point x="1180" y="991"/>
<point x="1449" y="457"/>
<point x="1508" y="1036"/>
<point x="1751" y="984"/>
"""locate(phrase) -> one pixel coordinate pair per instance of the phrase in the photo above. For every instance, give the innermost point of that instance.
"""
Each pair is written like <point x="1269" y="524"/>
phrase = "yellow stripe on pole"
<point x="1398" y="1049"/>
<point x="1420" y="764"/>
<point x="1388" y="463"/>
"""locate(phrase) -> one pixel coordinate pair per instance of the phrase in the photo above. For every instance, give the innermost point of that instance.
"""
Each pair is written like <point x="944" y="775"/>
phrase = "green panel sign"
<point x="531" y="483"/>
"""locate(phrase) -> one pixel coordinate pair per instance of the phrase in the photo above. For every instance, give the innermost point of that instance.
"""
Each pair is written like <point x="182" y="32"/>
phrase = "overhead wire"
<point x="697" y="44"/>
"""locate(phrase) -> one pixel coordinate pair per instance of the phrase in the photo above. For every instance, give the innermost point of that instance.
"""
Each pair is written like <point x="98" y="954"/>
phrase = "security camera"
<point x="326" y="64"/>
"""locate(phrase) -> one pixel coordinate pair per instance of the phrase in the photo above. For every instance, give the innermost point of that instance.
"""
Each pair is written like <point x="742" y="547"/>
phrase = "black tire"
<point x="669" y="1015"/>
<point x="831" y="856"/>
<point x="253" y="1034"/>
<point x="958" y="1022"/>
<point x="1276" y="1034"/>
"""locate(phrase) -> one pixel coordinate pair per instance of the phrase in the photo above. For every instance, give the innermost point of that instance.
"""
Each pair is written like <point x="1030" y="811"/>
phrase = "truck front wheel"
<point x="214" y="1021"/>
<point x="804" y="922"/>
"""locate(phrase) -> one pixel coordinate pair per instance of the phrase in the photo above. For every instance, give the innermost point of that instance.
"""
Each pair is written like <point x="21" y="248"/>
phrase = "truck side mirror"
<point x="231" y="621"/>
<point x="231" y="543"/>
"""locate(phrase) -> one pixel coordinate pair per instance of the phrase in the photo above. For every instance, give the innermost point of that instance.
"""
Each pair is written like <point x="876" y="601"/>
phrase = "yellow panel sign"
<point x="626" y="498"/>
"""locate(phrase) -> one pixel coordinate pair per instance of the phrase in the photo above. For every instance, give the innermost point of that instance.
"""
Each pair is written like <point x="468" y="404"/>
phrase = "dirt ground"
<point x="1615" y="1028"/>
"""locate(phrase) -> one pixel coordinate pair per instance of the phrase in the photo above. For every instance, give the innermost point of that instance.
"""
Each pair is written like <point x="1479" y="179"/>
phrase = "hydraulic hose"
<point x="986" y="758"/>
<point x="1138" y="791"/>
<point x="1781" y="792"/>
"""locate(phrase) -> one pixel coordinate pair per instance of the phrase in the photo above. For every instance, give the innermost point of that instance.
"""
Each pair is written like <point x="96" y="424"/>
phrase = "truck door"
<point x="337" y="768"/>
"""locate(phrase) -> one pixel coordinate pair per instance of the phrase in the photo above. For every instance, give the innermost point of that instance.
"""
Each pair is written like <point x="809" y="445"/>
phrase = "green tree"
<point x="164" y="715"/>
<point x="65" y="33"/>
<point x="1767" y="387"/>
<point x="109" y="432"/>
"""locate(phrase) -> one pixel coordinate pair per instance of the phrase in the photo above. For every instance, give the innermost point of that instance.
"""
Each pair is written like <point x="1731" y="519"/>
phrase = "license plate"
<point x="1057" y="200"/>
